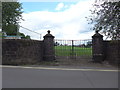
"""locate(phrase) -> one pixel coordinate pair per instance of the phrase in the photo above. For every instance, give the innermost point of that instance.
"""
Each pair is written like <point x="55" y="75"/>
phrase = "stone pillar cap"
<point x="97" y="34"/>
<point x="48" y="34"/>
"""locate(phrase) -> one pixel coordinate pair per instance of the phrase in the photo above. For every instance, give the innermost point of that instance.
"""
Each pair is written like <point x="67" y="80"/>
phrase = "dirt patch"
<point x="83" y="63"/>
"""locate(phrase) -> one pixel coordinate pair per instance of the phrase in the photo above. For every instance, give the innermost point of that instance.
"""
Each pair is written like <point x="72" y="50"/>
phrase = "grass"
<point x="0" y="35"/>
<point x="76" y="51"/>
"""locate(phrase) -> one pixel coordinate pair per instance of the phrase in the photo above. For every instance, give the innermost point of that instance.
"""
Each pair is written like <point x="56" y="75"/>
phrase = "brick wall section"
<point x="112" y="51"/>
<point x="18" y="51"/>
<point x="105" y="50"/>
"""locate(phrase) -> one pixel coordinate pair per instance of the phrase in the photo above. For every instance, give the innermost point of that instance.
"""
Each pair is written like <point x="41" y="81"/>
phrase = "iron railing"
<point x="74" y="48"/>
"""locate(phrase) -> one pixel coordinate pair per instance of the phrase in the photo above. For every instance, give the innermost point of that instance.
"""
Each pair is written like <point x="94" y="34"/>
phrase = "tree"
<point x="11" y="16"/>
<point x="106" y="18"/>
<point x="56" y="44"/>
<point x="0" y="15"/>
<point x="23" y="36"/>
<point x="89" y="44"/>
<point x="27" y="37"/>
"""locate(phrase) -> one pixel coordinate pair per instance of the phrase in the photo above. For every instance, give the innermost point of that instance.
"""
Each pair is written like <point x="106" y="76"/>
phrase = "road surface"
<point x="28" y="77"/>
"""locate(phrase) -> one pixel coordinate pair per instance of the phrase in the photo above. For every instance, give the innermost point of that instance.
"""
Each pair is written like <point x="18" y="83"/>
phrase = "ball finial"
<point x="48" y="31"/>
<point x="96" y="31"/>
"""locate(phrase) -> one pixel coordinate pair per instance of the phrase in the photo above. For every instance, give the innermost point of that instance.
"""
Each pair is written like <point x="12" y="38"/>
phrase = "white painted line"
<point x="72" y="69"/>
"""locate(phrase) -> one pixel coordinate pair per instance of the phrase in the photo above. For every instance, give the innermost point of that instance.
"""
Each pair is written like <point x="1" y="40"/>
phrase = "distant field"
<point x="68" y="51"/>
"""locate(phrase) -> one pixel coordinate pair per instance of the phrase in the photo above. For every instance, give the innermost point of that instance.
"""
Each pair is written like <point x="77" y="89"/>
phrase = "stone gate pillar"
<point x="49" y="51"/>
<point x="97" y="49"/>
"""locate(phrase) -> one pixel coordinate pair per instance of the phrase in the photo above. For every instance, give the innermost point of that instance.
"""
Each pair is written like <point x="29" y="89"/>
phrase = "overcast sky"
<point x="65" y="20"/>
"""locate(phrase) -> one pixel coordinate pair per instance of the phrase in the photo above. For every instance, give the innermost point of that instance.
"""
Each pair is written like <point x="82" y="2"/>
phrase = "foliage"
<point x="10" y="29"/>
<point x="27" y="37"/>
<point x="56" y="44"/>
<point x="0" y="15"/>
<point x="106" y="18"/>
<point x="89" y="44"/>
<point x="23" y="36"/>
<point x="11" y="16"/>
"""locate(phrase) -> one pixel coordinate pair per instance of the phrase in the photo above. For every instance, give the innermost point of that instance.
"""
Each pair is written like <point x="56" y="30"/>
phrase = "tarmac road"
<point x="42" y="77"/>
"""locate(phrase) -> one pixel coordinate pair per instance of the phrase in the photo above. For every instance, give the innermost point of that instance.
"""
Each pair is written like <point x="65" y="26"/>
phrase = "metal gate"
<point x="73" y="49"/>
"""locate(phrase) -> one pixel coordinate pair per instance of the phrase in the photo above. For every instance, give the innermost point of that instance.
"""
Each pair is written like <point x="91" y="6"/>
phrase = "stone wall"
<point x="105" y="50"/>
<point x="112" y="51"/>
<point x="24" y="51"/>
<point x="18" y="51"/>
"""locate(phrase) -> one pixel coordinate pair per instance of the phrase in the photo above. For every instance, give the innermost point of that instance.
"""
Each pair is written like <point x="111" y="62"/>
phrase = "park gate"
<point x="73" y="49"/>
